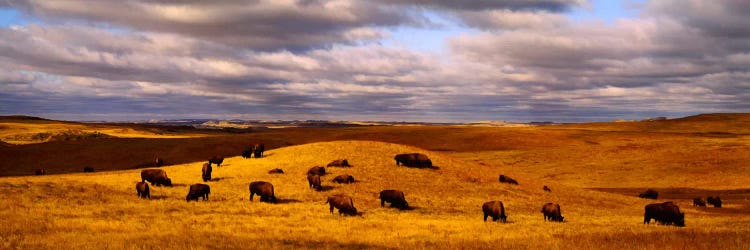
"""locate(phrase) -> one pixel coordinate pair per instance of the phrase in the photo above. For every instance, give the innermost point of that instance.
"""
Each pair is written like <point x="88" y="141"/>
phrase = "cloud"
<point x="478" y="5"/>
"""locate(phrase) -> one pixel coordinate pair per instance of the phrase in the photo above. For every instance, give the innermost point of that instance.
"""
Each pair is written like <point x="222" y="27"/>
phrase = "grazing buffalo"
<point x="506" y="179"/>
<point x="40" y="172"/>
<point x="206" y="170"/>
<point x="649" y="194"/>
<point x="716" y="202"/>
<point x="413" y="160"/>
<point x="142" y="189"/>
<point x="258" y="150"/>
<point x="216" y="160"/>
<point x="159" y="162"/>
<point x="247" y="153"/>
<point x="395" y="197"/>
<point x="314" y="181"/>
<point x="552" y="212"/>
<point x="264" y="190"/>
<point x="276" y="171"/>
<point x="343" y="203"/>
<point x="339" y="163"/>
<point x="317" y="170"/>
<point x="666" y="213"/>
<point x="198" y="190"/>
<point x="344" y="178"/>
<point x="699" y="202"/>
<point x="495" y="209"/>
<point x="547" y="189"/>
<point x="157" y="177"/>
<point x="88" y="169"/>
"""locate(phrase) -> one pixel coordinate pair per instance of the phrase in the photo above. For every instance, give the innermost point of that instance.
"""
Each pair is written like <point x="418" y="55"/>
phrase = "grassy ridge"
<point x="100" y="210"/>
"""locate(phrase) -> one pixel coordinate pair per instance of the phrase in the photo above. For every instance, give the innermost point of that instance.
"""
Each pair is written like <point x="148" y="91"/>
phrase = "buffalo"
<point x="276" y="171"/>
<point x="318" y="170"/>
<point x="413" y="160"/>
<point x="198" y="190"/>
<point x="314" y="181"/>
<point x="395" y="197"/>
<point x="40" y="172"/>
<point x="716" y="202"/>
<point x="666" y="213"/>
<point x="258" y="150"/>
<point x="216" y="160"/>
<point x="142" y="189"/>
<point x="339" y="163"/>
<point x="206" y="172"/>
<point x="552" y="212"/>
<point x="247" y="153"/>
<point x="157" y="177"/>
<point x="88" y="169"/>
<point x="495" y="209"/>
<point x="506" y="179"/>
<point x="547" y="189"/>
<point x="159" y="162"/>
<point x="343" y="203"/>
<point x="344" y="178"/>
<point x="699" y="202"/>
<point x="264" y="190"/>
<point x="649" y="194"/>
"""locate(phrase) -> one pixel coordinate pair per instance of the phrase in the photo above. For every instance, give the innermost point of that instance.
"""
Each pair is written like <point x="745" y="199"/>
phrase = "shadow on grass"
<point x="325" y="188"/>
<point x="219" y="179"/>
<point x="286" y="201"/>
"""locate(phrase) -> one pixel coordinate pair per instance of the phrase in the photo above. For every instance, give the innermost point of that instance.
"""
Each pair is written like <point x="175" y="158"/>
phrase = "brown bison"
<point x="276" y="171"/>
<point x="495" y="209"/>
<point x="649" y="194"/>
<point x="40" y="172"/>
<point x="506" y="179"/>
<point x="343" y="203"/>
<point x="264" y="190"/>
<point x="198" y="190"/>
<point x="88" y="169"/>
<point x="546" y="189"/>
<point x="339" y="163"/>
<point x="247" y="153"/>
<point x="344" y="178"/>
<point x="317" y="170"/>
<point x="395" y="197"/>
<point x="314" y="181"/>
<point x="258" y="150"/>
<point x="216" y="160"/>
<point x="206" y="172"/>
<point x="142" y="189"/>
<point x="666" y="213"/>
<point x="716" y="202"/>
<point x="157" y="177"/>
<point x="552" y="212"/>
<point x="413" y="160"/>
<point x="699" y="202"/>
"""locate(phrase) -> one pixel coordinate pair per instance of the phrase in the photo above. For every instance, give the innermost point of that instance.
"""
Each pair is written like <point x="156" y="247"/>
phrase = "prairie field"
<point x="594" y="170"/>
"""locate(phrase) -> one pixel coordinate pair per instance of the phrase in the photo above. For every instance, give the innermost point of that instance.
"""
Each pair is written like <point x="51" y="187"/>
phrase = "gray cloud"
<point x="475" y="5"/>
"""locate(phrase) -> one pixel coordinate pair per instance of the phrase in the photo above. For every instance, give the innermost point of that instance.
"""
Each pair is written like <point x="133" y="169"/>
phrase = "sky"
<point x="375" y="60"/>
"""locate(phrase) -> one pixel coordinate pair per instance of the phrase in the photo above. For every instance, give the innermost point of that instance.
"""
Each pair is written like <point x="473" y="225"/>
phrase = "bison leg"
<point x="251" y="195"/>
<point x="646" y="220"/>
<point x="382" y="203"/>
<point x="485" y="217"/>
<point x="332" y="208"/>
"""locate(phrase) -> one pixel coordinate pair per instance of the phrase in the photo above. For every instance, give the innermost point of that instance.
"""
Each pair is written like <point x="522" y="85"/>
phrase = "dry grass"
<point x="101" y="210"/>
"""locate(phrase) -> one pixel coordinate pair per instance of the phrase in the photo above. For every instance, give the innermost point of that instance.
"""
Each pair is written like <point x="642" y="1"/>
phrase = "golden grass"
<point x="101" y="210"/>
<point x="28" y="132"/>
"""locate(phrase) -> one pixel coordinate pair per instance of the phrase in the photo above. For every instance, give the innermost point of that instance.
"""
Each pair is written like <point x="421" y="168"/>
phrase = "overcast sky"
<point x="395" y="60"/>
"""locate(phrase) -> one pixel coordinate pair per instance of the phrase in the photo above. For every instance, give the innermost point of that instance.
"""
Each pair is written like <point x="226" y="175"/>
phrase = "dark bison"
<point x="395" y="197"/>
<point x="339" y="163"/>
<point x="142" y="189"/>
<point x="344" y="178"/>
<point x="343" y="203"/>
<point x="495" y="209"/>
<point x="157" y="177"/>
<point x="547" y="189"/>
<point x="159" y="162"/>
<point x="258" y="150"/>
<point x="314" y="181"/>
<point x="216" y="160"/>
<point x="264" y="190"/>
<point x="198" y="190"/>
<point x="206" y="171"/>
<point x="506" y="179"/>
<point x="413" y="160"/>
<point x="649" y="194"/>
<point x="317" y="170"/>
<point x="276" y="171"/>
<point x="699" y="202"/>
<point x="88" y="169"/>
<point x="552" y="212"/>
<point x="666" y="213"/>
<point x="247" y="153"/>
<point x="716" y="202"/>
<point x="40" y="172"/>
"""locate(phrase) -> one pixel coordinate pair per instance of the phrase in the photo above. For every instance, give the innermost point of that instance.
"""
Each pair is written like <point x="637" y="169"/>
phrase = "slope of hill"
<point x="101" y="210"/>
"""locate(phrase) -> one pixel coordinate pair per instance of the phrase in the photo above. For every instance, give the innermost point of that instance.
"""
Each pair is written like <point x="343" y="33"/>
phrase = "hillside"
<point x="101" y="210"/>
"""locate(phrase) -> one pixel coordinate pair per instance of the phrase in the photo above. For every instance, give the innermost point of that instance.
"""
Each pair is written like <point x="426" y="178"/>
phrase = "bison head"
<point x="168" y="182"/>
<point x="680" y="220"/>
